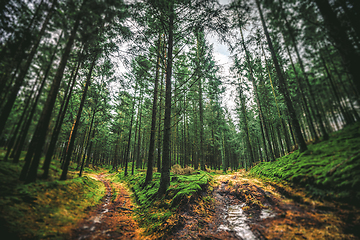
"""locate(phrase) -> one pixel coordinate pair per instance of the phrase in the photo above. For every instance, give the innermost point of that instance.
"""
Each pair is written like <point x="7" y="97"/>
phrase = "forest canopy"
<point x="136" y="84"/>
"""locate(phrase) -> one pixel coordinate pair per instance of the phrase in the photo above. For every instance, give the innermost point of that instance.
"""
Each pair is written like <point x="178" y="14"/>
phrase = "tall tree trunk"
<point x="276" y="103"/>
<point x="87" y="148"/>
<point x="337" y="32"/>
<point x="137" y="128"/>
<point x="302" y="95"/>
<point x="201" y="110"/>
<point x="261" y="116"/>
<point x="20" y="123"/>
<point x="130" y="130"/>
<point x="73" y="136"/>
<point x="158" y="161"/>
<point x="246" y="126"/>
<point x="58" y="123"/>
<point x="150" y="161"/>
<point x="283" y="89"/>
<point x="37" y="142"/>
<point x="165" y="170"/>
<point x="138" y="156"/>
<point x="21" y="77"/>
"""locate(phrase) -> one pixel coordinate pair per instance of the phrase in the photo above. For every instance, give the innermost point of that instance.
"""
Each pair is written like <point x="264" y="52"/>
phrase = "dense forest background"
<point x="295" y="75"/>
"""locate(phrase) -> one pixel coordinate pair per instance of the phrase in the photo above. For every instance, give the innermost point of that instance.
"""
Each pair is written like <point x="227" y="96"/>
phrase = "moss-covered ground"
<point x="46" y="209"/>
<point x="159" y="216"/>
<point x="50" y="209"/>
<point x="328" y="169"/>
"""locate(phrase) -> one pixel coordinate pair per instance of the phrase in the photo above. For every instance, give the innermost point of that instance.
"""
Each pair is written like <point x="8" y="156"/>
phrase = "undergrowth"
<point x="158" y="216"/>
<point x="329" y="169"/>
<point x="44" y="209"/>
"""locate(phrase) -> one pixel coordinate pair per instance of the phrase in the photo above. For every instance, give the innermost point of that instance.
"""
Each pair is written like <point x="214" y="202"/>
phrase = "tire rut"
<point x="110" y="219"/>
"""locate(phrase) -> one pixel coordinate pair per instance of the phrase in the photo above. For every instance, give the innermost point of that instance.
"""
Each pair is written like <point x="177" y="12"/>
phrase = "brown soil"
<point x="296" y="216"/>
<point x="111" y="219"/>
<point x="293" y="214"/>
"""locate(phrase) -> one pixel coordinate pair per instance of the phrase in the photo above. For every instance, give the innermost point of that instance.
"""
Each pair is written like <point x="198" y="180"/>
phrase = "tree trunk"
<point x="165" y="170"/>
<point x="283" y="89"/>
<point x="149" y="170"/>
<point x="37" y="142"/>
<point x="337" y="32"/>
<point x="130" y="130"/>
<point x="73" y="136"/>
<point x="302" y="95"/>
<point x="276" y="102"/>
<point x="58" y="124"/>
<point x="261" y="116"/>
<point x="138" y="156"/>
<point x="87" y="150"/>
<point x="21" y="77"/>
<point x="20" y="123"/>
<point x="246" y="127"/>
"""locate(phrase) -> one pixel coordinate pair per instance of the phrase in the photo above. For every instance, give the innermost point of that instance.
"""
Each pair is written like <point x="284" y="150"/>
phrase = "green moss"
<point x="328" y="169"/>
<point x="158" y="215"/>
<point x="44" y="209"/>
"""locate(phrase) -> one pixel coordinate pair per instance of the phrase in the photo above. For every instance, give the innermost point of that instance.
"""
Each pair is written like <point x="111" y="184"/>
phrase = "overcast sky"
<point x="222" y="57"/>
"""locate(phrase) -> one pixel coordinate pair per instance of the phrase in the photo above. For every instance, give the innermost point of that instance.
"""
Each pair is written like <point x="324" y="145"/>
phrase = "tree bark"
<point x="21" y="77"/>
<point x="73" y="136"/>
<point x="165" y="170"/>
<point x="150" y="161"/>
<point x="37" y="142"/>
<point x="337" y="32"/>
<point x="58" y="125"/>
<point x="283" y="89"/>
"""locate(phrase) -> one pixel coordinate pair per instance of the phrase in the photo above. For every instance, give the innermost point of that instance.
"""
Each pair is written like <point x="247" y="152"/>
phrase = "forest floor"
<point x="240" y="207"/>
<point x="112" y="218"/>
<point x="230" y="206"/>
<point x="309" y="195"/>
<point x="245" y="207"/>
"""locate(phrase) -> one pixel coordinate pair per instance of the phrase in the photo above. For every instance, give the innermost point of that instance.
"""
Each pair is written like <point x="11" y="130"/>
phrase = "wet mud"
<point x="253" y="209"/>
<point x="112" y="219"/>
<point x="234" y="207"/>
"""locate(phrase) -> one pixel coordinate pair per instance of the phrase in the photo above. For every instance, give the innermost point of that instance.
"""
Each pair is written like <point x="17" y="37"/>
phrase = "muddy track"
<point x="112" y="219"/>
<point x="240" y="207"/>
<point x="253" y="209"/>
<point x="247" y="208"/>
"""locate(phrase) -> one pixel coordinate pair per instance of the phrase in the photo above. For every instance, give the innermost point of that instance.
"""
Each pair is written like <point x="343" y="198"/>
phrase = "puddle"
<point x="97" y="219"/>
<point x="93" y="224"/>
<point x="267" y="213"/>
<point x="237" y="222"/>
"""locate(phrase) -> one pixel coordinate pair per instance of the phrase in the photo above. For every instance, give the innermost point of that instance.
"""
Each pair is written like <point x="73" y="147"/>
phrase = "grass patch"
<point x="159" y="216"/>
<point x="328" y="169"/>
<point x="44" y="209"/>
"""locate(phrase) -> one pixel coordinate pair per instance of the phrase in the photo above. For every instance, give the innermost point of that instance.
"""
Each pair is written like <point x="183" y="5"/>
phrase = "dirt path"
<point x="236" y="206"/>
<point x="254" y="209"/>
<point x="112" y="219"/>
<point x="243" y="207"/>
